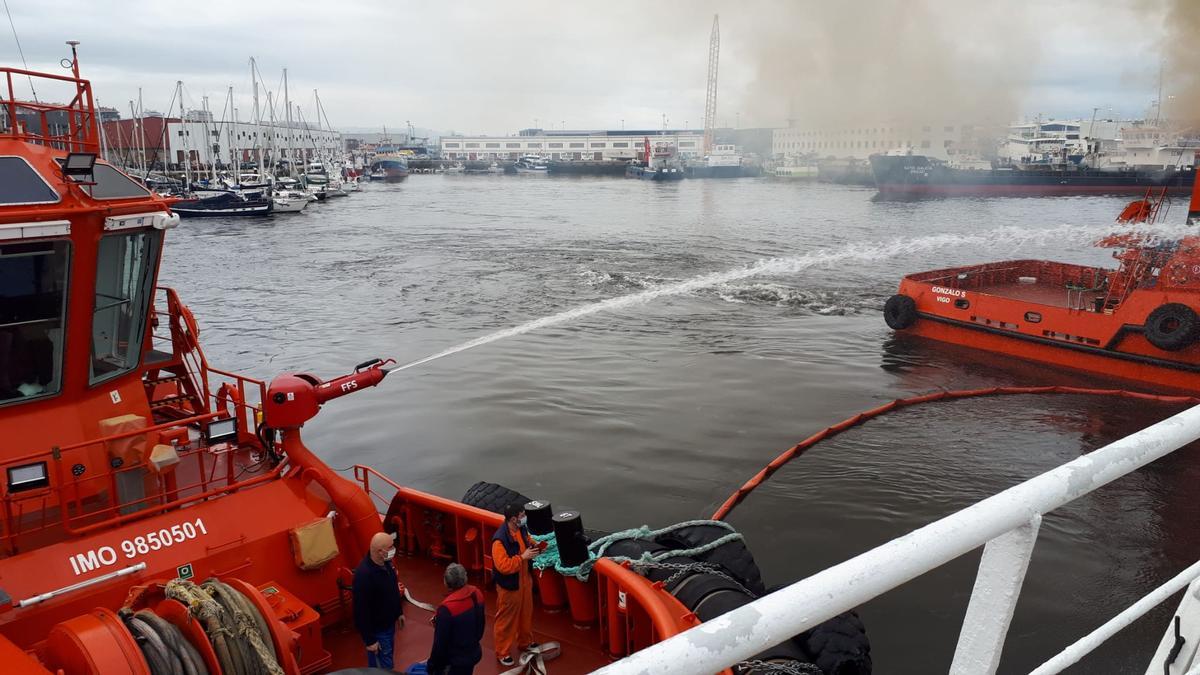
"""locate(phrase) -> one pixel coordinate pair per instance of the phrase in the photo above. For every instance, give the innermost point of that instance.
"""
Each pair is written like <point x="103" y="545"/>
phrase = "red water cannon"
<point x="295" y="398"/>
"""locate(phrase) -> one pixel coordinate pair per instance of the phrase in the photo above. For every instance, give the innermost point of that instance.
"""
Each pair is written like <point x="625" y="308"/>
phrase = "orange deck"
<point x="580" y="652"/>
<point x="1040" y="293"/>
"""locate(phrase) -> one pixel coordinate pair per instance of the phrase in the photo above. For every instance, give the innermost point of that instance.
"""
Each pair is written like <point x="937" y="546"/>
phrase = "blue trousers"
<point x="383" y="657"/>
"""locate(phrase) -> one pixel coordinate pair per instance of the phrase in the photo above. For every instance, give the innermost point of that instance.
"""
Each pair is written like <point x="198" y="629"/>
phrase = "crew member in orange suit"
<point x="512" y="549"/>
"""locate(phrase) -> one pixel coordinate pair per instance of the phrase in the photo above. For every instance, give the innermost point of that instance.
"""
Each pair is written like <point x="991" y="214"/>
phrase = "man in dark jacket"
<point x="377" y="601"/>
<point x="457" y="627"/>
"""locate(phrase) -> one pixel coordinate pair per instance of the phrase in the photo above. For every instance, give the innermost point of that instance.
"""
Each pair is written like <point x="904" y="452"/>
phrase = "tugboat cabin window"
<point x="111" y="184"/>
<point x="33" y="309"/>
<point x="124" y="283"/>
<point x="20" y="183"/>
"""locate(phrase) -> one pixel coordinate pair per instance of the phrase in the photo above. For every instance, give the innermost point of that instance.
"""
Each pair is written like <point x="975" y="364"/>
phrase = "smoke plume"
<point x="905" y="61"/>
<point x="1181" y="62"/>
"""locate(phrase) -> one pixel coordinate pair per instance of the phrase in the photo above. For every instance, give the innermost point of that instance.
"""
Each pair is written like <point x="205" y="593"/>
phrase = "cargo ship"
<point x="905" y="175"/>
<point x="1139" y="322"/>
<point x="162" y="515"/>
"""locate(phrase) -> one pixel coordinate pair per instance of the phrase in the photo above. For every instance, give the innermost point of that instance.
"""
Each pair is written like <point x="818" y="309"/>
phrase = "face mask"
<point x="521" y="521"/>
<point x="389" y="554"/>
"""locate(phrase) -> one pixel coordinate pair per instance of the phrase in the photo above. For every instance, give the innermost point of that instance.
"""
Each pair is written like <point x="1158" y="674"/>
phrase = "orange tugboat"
<point x="1138" y="322"/>
<point x="161" y="515"/>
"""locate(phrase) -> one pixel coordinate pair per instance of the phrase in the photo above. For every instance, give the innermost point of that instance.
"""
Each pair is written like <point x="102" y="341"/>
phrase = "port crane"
<point x="710" y="99"/>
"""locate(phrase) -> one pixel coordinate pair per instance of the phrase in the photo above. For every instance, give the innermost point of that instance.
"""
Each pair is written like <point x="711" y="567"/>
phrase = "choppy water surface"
<point x="654" y="412"/>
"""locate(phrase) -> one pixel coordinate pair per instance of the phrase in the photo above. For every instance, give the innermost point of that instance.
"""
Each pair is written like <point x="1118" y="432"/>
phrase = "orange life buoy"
<point x="226" y="394"/>
<point x="190" y="329"/>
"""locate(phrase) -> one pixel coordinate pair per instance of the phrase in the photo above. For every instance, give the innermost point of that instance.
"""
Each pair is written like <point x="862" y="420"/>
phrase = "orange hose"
<point x="796" y="450"/>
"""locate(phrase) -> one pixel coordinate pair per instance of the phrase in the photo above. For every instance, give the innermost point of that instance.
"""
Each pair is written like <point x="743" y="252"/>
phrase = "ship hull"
<point x="587" y="168"/>
<point x="389" y="171"/>
<point x="660" y="175"/>
<point x="722" y="171"/>
<point x="222" y="205"/>
<point x="916" y="175"/>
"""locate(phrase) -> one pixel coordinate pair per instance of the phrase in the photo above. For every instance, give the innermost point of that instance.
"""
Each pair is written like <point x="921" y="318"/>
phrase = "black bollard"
<point x="572" y="544"/>
<point x="541" y="517"/>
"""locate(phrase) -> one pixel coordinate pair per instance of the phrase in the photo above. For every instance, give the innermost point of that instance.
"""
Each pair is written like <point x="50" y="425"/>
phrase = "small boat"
<point x="724" y="161"/>
<point x="316" y="174"/>
<point x="292" y="189"/>
<point x="281" y="204"/>
<point x="532" y="164"/>
<point x="661" y="164"/>
<point x="457" y="169"/>
<point x="224" y="204"/>
<point x="799" y="172"/>
<point x="1139" y="322"/>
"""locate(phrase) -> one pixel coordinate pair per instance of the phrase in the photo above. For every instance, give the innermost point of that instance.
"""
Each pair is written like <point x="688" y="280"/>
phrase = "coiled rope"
<point x="549" y="558"/>
<point x="791" y="453"/>
<point x="166" y="650"/>
<point x="239" y="634"/>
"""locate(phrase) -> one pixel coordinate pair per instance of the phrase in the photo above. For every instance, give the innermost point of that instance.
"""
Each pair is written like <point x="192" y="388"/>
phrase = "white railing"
<point x="1006" y="524"/>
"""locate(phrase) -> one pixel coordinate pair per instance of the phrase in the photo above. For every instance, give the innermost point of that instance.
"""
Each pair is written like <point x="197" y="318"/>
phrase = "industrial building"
<point x="171" y="141"/>
<point x="566" y="145"/>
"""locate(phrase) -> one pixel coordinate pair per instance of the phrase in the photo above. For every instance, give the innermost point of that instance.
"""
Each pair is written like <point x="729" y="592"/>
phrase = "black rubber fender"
<point x="693" y="590"/>
<point x="838" y="646"/>
<point x="492" y="497"/>
<point x="733" y="556"/>
<point x="720" y="603"/>
<point x="1172" y="327"/>
<point x="900" y="312"/>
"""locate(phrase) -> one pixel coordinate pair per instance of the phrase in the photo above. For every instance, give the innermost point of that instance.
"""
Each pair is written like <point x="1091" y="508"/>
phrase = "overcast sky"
<point x="495" y="67"/>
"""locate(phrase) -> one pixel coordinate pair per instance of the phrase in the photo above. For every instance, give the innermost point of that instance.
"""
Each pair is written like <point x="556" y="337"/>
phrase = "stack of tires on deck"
<point x="721" y="580"/>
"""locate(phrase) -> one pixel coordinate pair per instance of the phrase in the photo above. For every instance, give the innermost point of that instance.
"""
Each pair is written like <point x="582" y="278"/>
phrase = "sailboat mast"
<point x="103" y="140"/>
<point x="141" y="142"/>
<point x="235" y="163"/>
<point x="187" y="155"/>
<point x="318" y="150"/>
<point x="258" y="155"/>
<point x="287" y="102"/>
<point x="210" y="151"/>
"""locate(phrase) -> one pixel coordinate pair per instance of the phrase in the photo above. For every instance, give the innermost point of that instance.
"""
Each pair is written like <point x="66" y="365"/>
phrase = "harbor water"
<point x="652" y="412"/>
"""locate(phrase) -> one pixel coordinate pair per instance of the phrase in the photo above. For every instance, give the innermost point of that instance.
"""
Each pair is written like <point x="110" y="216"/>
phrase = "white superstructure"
<point x="1150" y="145"/>
<point x="724" y="155"/>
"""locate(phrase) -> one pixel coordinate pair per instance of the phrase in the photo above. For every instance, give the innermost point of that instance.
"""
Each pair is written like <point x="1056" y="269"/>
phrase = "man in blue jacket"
<point x="377" y="601"/>
<point x="457" y="627"/>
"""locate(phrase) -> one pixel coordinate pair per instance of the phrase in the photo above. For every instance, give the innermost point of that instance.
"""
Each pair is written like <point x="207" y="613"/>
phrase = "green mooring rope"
<point x="550" y="559"/>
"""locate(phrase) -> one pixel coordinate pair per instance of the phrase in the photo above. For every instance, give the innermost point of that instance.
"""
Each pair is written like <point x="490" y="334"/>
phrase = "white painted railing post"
<point x="997" y="588"/>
